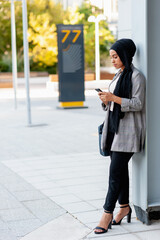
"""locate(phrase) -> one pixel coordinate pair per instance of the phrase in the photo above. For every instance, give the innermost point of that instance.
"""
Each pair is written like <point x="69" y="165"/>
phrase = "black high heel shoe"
<point x="103" y="229"/>
<point x="128" y="216"/>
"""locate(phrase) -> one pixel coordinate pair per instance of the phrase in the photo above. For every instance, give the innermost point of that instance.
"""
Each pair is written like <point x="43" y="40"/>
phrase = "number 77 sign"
<point x="67" y="32"/>
<point x="70" y="65"/>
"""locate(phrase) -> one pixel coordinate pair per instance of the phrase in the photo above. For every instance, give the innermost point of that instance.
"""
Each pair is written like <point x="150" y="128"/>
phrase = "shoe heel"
<point x="110" y="225"/>
<point x="129" y="216"/>
<point x="119" y="223"/>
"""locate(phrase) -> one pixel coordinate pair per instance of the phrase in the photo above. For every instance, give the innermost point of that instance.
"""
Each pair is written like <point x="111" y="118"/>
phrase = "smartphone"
<point x="98" y="90"/>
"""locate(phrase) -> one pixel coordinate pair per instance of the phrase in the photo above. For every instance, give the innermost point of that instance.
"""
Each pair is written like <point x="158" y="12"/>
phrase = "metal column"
<point x="144" y="20"/>
<point x="26" y="58"/>
<point x="14" y="52"/>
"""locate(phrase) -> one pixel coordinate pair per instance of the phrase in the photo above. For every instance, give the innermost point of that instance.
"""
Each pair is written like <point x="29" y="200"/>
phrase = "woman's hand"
<point x="106" y="97"/>
<point x="109" y="97"/>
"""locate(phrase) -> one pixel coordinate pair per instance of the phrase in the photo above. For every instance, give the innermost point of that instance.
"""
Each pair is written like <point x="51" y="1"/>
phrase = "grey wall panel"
<point x="132" y="24"/>
<point x="124" y="22"/>
<point x="153" y="102"/>
<point x="144" y="30"/>
<point x="139" y="36"/>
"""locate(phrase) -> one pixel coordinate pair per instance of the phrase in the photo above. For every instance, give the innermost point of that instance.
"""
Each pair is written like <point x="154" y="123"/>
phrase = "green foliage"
<point x="43" y="15"/>
<point x="106" y="39"/>
<point x="5" y="26"/>
<point x="42" y="37"/>
<point x="4" y="67"/>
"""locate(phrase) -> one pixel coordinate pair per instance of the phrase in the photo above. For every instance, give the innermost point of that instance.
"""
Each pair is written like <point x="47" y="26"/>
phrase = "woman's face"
<point x="115" y="59"/>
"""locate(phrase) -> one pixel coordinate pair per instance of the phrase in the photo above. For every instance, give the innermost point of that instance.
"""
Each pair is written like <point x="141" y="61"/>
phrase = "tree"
<point x="5" y="34"/>
<point x="42" y="34"/>
<point x="43" y="42"/>
<point x="43" y="15"/>
<point x="106" y="38"/>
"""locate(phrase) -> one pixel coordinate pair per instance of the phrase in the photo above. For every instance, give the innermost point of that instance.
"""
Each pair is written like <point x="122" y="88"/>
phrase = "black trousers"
<point x="118" y="175"/>
<point x="118" y="180"/>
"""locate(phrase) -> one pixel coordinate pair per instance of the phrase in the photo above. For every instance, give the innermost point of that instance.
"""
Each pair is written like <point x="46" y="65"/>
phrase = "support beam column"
<point x="143" y="28"/>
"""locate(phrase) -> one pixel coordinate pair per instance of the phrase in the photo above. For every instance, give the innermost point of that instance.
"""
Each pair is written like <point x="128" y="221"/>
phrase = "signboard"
<point x="71" y="65"/>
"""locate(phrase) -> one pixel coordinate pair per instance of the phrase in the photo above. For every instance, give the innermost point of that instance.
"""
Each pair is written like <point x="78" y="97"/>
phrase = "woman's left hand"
<point x="106" y="97"/>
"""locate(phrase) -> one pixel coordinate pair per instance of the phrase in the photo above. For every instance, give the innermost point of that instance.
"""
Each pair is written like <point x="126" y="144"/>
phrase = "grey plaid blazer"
<point x="132" y="128"/>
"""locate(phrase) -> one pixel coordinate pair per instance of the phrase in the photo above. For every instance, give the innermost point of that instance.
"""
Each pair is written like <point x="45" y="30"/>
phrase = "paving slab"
<point x="137" y="226"/>
<point x="22" y="227"/>
<point x="64" y="227"/>
<point x="16" y="214"/>
<point x="7" y="235"/>
<point x="3" y="225"/>
<point x="88" y="217"/>
<point x="67" y="198"/>
<point x="29" y="195"/>
<point x="107" y="236"/>
<point x="118" y="230"/>
<point x="78" y="207"/>
<point x="149" y="235"/>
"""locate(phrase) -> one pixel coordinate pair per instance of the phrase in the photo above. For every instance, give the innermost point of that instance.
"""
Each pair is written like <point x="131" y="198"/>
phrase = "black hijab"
<point x="125" y="49"/>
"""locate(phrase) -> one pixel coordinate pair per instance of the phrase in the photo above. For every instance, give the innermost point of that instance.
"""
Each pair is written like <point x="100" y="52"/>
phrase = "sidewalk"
<point x="53" y="181"/>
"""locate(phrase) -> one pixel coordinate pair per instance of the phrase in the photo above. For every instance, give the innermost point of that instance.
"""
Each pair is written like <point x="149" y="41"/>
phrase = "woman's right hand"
<point x="109" y="97"/>
<point x="105" y="97"/>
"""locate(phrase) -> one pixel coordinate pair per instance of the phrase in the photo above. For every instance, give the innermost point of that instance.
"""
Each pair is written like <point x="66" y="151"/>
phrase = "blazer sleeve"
<point x="138" y="95"/>
<point x="105" y="107"/>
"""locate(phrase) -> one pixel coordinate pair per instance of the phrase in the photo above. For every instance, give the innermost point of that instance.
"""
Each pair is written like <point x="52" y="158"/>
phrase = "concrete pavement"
<point x="53" y="181"/>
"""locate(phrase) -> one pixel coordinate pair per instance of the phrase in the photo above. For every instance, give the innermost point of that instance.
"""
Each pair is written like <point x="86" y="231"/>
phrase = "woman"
<point x="123" y="131"/>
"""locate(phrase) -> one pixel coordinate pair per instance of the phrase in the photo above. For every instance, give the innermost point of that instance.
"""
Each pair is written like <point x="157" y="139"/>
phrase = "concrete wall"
<point x="132" y="24"/>
<point x="153" y="102"/>
<point x="140" y="21"/>
<point x="124" y="23"/>
<point x="140" y="161"/>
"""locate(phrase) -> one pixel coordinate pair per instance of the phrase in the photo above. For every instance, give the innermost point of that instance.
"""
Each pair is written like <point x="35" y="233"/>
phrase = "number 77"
<point x="78" y="32"/>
